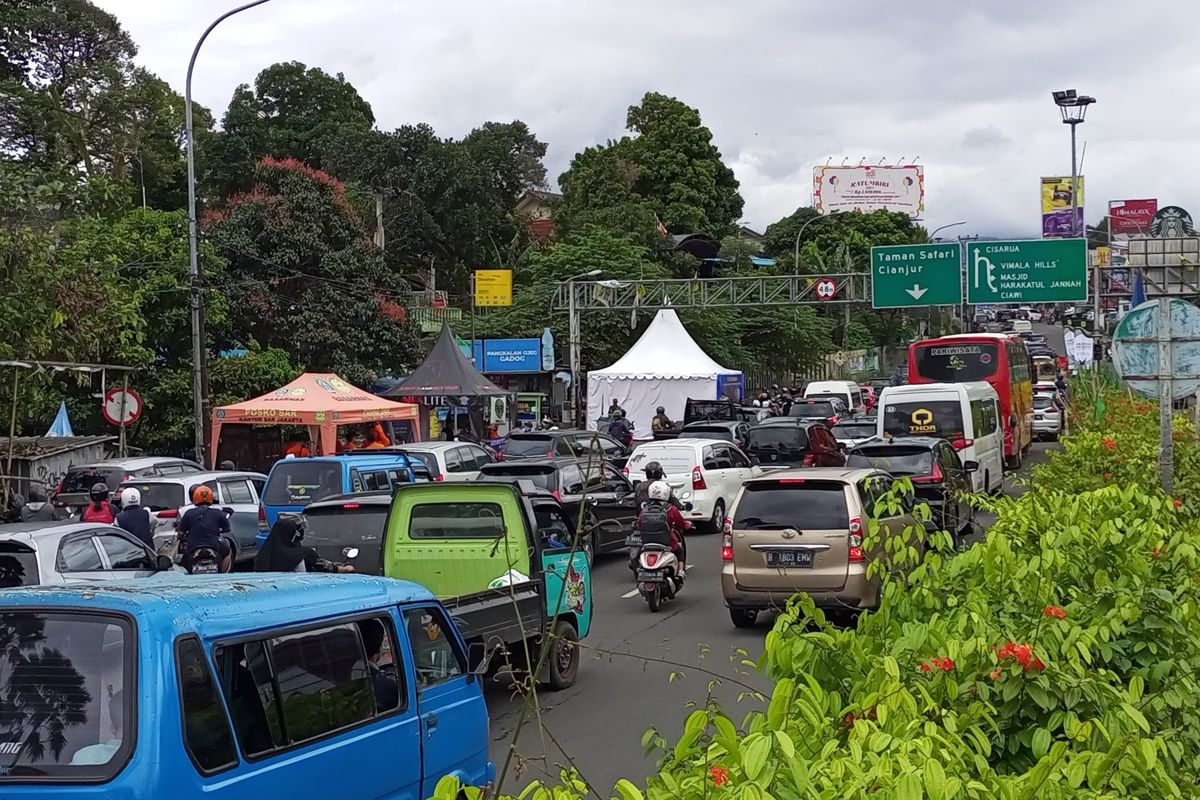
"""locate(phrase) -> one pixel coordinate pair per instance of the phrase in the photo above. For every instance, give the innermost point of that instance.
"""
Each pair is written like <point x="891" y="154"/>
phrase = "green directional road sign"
<point x="911" y="275"/>
<point x="1027" y="271"/>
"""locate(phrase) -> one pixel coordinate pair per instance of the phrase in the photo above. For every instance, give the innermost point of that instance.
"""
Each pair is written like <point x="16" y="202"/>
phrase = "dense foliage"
<point x="1055" y="659"/>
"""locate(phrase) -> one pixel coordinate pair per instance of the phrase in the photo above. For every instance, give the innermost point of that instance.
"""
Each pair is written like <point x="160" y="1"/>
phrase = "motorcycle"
<point x="206" y="560"/>
<point x="658" y="576"/>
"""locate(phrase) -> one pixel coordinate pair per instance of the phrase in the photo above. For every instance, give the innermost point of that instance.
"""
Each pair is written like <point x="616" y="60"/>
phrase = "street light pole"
<point x="1073" y="108"/>
<point x="193" y="245"/>
<point x="799" y="233"/>
<point x="573" y="340"/>
<point x="962" y="311"/>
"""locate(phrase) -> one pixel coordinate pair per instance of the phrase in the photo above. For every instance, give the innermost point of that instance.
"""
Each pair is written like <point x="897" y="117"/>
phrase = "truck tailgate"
<point x="509" y="614"/>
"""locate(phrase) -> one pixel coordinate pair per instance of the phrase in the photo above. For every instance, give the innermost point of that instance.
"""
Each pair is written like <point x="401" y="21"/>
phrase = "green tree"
<point x="669" y="171"/>
<point x="304" y="275"/>
<point x="293" y="111"/>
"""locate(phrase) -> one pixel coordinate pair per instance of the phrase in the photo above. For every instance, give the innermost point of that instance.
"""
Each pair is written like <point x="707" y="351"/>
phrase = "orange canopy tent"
<point x="321" y="401"/>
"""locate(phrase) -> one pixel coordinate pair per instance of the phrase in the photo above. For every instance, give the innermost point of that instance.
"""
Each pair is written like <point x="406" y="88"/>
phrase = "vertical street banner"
<point x="1056" y="209"/>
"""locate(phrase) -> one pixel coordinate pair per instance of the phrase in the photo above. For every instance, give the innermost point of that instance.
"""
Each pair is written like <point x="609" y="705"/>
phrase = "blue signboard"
<point x="506" y="355"/>
<point x="730" y="386"/>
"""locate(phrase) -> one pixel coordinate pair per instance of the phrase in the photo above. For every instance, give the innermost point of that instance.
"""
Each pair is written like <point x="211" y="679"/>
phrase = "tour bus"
<point x="1001" y="360"/>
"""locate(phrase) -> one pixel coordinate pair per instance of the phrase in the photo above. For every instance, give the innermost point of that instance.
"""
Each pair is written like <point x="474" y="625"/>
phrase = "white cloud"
<point x="783" y="84"/>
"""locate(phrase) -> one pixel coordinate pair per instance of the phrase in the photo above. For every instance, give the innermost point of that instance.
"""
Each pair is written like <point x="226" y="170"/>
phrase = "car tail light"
<point x="262" y="518"/>
<point x="792" y="480"/>
<point x="962" y="444"/>
<point x="625" y="470"/>
<point x="651" y="559"/>
<point x="128" y="477"/>
<point x="350" y="506"/>
<point x="808" y="460"/>
<point x="834" y="420"/>
<point x="550" y="453"/>
<point x="727" y="541"/>
<point x="698" y="480"/>
<point x="167" y="513"/>
<point x="440" y="478"/>
<point x="557" y="495"/>
<point x="934" y="477"/>
<point x="855" y="541"/>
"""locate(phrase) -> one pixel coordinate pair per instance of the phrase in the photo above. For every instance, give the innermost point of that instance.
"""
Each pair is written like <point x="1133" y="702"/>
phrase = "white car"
<point x="704" y="472"/>
<point x="450" y="461"/>
<point x="1047" y="416"/>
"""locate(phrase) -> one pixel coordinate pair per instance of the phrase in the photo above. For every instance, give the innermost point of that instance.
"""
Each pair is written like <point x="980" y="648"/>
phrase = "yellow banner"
<point x="493" y="287"/>
<point x="1056" y="194"/>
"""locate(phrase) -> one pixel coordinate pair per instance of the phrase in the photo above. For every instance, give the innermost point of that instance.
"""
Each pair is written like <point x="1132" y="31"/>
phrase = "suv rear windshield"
<point x="82" y="480"/>
<point x="812" y="408"/>
<point x="940" y="418"/>
<point x="854" y="430"/>
<point x="957" y="363"/>
<point x="540" y="475"/>
<point x="528" y="445"/>
<point x="18" y="567"/>
<point x="893" y="458"/>
<point x="802" y="504"/>
<point x="68" y="696"/>
<point x="777" y="438"/>
<point x="332" y="529"/>
<point x="1042" y="401"/>
<point x="674" y="460"/>
<point x="159" y="496"/>
<point x="298" y="483"/>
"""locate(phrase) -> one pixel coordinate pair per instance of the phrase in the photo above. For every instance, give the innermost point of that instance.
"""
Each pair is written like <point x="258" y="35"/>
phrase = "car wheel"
<point x="743" y="617"/>
<point x="564" y="656"/>
<point x="718" y="517"/>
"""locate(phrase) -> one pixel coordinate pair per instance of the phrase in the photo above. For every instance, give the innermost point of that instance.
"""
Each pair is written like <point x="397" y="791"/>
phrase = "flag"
<point x="1139" y="290"/>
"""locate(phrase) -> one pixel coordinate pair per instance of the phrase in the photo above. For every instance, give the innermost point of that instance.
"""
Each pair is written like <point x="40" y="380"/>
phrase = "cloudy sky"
<point x="961" y="85"/>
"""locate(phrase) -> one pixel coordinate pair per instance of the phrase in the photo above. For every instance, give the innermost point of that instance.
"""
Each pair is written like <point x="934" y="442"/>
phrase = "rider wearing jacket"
<point x="134" y="518"/>
<point x="99" y="510"/>
<point x="659" y="522"/>
<point x="203" y="526"/>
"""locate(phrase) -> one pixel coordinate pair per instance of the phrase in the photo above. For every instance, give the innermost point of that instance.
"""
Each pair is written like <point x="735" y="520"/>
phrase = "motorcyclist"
<point x="99" y="509"/>
<point x="36" y="509"/>
<point x="134" y="518"/>
<point x="654" y="472"/>
<point x="659" y="522"/>
<point x="661" y="422"/>
<point x="283" y="551"/>
<point x="620" y="428"/>
<point x="204" y="526"/>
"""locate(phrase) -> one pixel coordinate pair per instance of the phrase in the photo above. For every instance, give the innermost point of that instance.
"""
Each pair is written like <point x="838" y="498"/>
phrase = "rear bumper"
<point x="857" y="593"/>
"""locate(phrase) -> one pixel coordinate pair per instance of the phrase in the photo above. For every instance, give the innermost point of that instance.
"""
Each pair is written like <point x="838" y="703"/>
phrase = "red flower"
<point x="720" y="775"/>
<point x="944" y="664"/>
<point x="1037" y="664"/>
<point x="1178" y="502"/>
<point x="1109" y="443"/>
<point x="1021" y="653"/>
<point x="1054" y="611"/>
<point x="925" y="666"/>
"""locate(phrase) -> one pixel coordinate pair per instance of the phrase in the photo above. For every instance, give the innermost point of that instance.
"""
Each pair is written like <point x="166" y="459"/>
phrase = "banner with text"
<point x="870" y="188"/>
<point x="1128" y="217"/>
<point x="1056" y="208"/>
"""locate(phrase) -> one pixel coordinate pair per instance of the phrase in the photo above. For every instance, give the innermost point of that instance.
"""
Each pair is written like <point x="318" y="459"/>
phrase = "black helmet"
<point x="660" y="410"/>
<point x="99" y="491"/>
<point x="654" y="471"/>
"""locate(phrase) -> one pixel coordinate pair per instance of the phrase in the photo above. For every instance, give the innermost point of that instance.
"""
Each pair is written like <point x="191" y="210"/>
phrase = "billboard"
<point x="1126" y="217"/>
<point x="1056" y="208"/>
<point x="870" y="188"/>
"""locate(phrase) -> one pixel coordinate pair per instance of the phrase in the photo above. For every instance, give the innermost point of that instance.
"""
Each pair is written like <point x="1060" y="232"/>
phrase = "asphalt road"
<point x="640" y="671"/>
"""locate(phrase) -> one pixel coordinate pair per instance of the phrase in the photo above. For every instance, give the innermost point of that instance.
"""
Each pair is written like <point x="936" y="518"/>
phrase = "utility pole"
<point x="196" y="296"/>
<point x="573" y="342"/>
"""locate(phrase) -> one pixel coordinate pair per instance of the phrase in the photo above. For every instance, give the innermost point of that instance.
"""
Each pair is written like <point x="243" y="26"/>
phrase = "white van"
<point x="848" y="392"/>
<point x="966" y="414"/>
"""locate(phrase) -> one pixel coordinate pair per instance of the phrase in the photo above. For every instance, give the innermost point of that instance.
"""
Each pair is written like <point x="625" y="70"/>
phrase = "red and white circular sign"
<point x="117" y="397"/>
<point x="827" y="289"/>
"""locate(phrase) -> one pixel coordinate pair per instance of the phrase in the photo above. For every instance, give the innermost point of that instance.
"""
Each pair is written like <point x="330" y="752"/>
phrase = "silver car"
<point x="35" y="553"/>
<point x="169" y="498"/>
<point x="72" y="492"/>
<point x="1047" y="416"/>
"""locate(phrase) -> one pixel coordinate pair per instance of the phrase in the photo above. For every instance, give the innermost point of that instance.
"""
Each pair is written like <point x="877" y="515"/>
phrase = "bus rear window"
<point x="66" y="712"/>
<point x="957" y="363"/>
<point x="940" y="418"/>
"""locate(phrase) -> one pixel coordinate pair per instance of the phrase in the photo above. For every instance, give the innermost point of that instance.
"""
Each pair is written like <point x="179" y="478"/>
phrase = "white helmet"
<point x="130" y="497"/>
<point x="659" y="490"/>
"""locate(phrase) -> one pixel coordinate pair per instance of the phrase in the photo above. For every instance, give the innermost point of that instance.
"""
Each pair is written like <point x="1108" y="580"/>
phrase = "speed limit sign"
<point x="826" y="289"/>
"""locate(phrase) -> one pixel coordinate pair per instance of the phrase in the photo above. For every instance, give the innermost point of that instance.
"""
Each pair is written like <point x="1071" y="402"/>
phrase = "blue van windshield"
<point x="296" y="482"/>
<point x="66" y="709"/>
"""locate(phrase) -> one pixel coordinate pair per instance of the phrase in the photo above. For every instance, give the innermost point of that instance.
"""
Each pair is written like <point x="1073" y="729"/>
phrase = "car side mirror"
<point x="971" y="466"/>
<point x="164" y="564"/>
<point x="479" y="657"/>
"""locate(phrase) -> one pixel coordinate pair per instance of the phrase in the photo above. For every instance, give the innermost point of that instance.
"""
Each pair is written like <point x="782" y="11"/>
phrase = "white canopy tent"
<point x="663" y="368"/>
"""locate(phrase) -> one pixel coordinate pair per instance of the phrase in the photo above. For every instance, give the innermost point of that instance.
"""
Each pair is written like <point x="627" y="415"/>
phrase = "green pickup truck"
<point x="498" y="556"/>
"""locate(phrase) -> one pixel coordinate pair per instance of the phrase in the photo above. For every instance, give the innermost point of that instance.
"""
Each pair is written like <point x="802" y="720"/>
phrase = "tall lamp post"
<point x="193" y="246"/>
<point x="962" y="311"/>
<point x="573" y="340"/>
<point x="799" y="233"/>
<point x="1073" y="107"/>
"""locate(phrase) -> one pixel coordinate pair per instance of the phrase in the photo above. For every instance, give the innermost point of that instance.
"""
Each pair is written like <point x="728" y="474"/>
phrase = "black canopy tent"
<point x="446" y="373"/>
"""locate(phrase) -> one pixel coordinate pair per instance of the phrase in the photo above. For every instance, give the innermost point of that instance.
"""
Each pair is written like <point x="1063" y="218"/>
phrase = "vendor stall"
<point x="321" y="402"/>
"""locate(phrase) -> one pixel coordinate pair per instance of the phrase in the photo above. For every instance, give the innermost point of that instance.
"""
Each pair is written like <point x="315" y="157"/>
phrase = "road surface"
<point x="640" y="671"/>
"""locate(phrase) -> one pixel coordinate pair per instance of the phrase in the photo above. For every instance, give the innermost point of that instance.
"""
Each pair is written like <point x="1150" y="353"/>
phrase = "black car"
<point x="728" y="431"/>
<point x="551" y="444"/>
<point x="793" y="442"/>
<point x="829" y="410"/>
<point x="939" y="476"/>
<point x="604" y="494"/>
